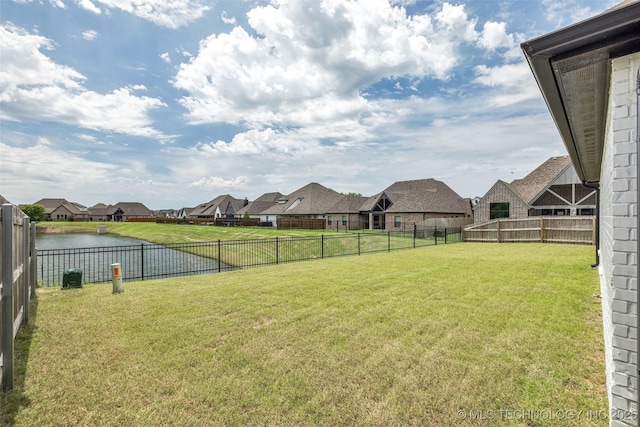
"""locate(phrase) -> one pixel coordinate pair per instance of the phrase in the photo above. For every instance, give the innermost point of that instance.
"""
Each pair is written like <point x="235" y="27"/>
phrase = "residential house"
<point x="311" y="201"/>
<point x="62" y="210"/>
<point x="406" y="203"/>
<point x="589" y="76"/>
<point x="223" y="206"/>
<point x="553" y="188"/>
<point x="184" y="213"/>
<point x="255" y="208"/>
<point x="346" y="214"/>
<point x="122" y="211"/>
<point x="166" y="213"/>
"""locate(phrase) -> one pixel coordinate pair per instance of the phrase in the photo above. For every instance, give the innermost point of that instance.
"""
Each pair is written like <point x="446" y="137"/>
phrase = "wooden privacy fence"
<point x="18" y="278"/>
<point x="554" y="229"/>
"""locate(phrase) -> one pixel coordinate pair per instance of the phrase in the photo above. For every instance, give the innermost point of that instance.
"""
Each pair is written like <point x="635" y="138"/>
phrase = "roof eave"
<point x="592" y="42"/>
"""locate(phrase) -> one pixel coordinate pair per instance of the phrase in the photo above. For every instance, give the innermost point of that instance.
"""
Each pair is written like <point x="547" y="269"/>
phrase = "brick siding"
<point x="618" y="236"/>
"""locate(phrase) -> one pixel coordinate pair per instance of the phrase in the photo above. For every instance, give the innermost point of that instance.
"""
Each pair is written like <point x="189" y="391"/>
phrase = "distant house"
<point x="184" y="213"/>
<point x="166" y="213"/>
<point x="311" y="201"/>
<point x="119" y="212"/>
<point x="406" y="203"/>
<point x="346" y="213"/>
<point x="62" y="210"/>
<point x="223" y="206"/>
<point x="553" y="188"/>
<point x="589" y="76"/>
<point x="255" y="208"/>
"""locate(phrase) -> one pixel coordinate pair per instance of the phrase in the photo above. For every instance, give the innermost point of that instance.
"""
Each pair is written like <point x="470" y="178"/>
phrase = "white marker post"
<point x="117" y="278"/>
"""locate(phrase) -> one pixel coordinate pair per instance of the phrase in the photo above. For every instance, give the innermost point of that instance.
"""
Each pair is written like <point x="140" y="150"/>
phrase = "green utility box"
<point x="72" y="278"/>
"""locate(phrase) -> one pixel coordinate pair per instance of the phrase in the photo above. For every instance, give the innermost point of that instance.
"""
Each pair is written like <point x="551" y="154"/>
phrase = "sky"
<point x="174" y="102"/>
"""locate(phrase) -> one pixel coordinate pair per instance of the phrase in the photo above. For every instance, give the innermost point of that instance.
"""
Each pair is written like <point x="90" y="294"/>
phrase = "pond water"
<point x="94" y="254"/>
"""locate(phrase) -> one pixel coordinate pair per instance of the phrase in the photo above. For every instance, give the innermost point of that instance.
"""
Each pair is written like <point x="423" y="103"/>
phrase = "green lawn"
<point x="174" y="233"/>
<point x="417" y="337"/>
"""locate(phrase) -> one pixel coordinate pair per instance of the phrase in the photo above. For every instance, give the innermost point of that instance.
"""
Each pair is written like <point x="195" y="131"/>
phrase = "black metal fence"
<point x="153" y="261"/>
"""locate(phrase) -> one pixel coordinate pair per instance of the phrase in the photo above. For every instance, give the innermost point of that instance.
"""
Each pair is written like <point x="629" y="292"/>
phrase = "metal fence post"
<point x="358" y="243"/>
<point x="389" y="241"/>
<point x="277" y="250"/>
<point x="219" y="258"/>
<point x="435" y="234"/>
<point x="322" y="248"/>
<point x="445" y="235"/>
<point x="7" y="297"/>
<point x="142" y="261"/>
<point x="415" y="230"/>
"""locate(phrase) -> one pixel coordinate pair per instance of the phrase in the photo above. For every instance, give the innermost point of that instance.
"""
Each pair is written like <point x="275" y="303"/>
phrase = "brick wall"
<point x="618" y="236"/>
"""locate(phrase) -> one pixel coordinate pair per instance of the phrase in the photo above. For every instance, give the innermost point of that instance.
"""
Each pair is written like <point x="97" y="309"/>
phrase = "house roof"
<point x="133" y="209"/>
<point x="260" y="204"/>
<point x="425" y="195"/>
<point x="312" y="199"/>
<point x="51" y="205"/>
<point x="572" y="68"/>
<point x="348" y="204"/>
<point x="220" y="202"/>
<point x="530" y="187"/>
<point x="3" y="200"/>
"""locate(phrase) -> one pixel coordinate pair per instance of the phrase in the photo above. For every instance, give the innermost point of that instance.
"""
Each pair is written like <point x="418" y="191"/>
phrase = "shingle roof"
<point x="51" y="205"/>
<point x="540" y="178"/>
<point x="348" y="204"/>
<point x="133" y="209"/>
<point x="260" y="204"/>
<point x="312" y="199"/>
<point x="220" y="202"/>
<point x="425" y="195"/>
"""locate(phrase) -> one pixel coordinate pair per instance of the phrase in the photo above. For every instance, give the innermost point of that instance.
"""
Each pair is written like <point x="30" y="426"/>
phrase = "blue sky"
<point x="174" y="102"/>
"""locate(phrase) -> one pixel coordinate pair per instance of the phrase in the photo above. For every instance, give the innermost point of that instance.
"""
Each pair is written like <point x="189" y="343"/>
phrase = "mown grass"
<point x="174" y="233"/>
<point x="400" y="338"/>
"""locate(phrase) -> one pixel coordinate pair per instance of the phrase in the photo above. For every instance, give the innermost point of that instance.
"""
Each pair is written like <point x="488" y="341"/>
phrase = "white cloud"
<point x="89" y="5"/>
<point x="165" y="13"/>
<point x="34" y="88"/>
<point x="226" y="19"/>
<point x="219" y="183"/>
<point x="24" y="64"/>
<point x="314" y="56"/>
<point x="494" y="36"/>
<point x="565" y="12"/>
<point x="89" y="35"/>
<point x="165" y="57"/>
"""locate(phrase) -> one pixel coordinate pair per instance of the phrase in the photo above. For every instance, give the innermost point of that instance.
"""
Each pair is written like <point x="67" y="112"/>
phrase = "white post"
<point x="117" y="278"/>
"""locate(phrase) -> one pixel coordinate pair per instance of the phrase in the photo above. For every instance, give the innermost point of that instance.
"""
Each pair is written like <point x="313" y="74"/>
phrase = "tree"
<point x="353" y="194"/>
<point x="34" y="212"/>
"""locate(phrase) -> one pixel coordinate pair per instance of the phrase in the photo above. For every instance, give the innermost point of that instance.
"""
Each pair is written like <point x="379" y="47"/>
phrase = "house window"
<point x="344" y="220"/>
<point x="498" y="210"/>
<point x="329" y="220"/>
<point x="397" y="221"/>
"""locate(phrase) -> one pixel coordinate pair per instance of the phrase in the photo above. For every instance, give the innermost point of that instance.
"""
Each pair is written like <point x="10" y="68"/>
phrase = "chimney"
<point x="246" y="202"/>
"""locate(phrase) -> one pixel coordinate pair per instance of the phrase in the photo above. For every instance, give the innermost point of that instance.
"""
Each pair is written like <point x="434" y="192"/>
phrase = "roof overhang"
<point x="572" y="67"/>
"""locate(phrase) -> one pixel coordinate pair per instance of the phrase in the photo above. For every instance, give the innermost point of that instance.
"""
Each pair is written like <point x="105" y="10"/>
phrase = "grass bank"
<point x="431" y="336"/>
<point x="173" y="233"/>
